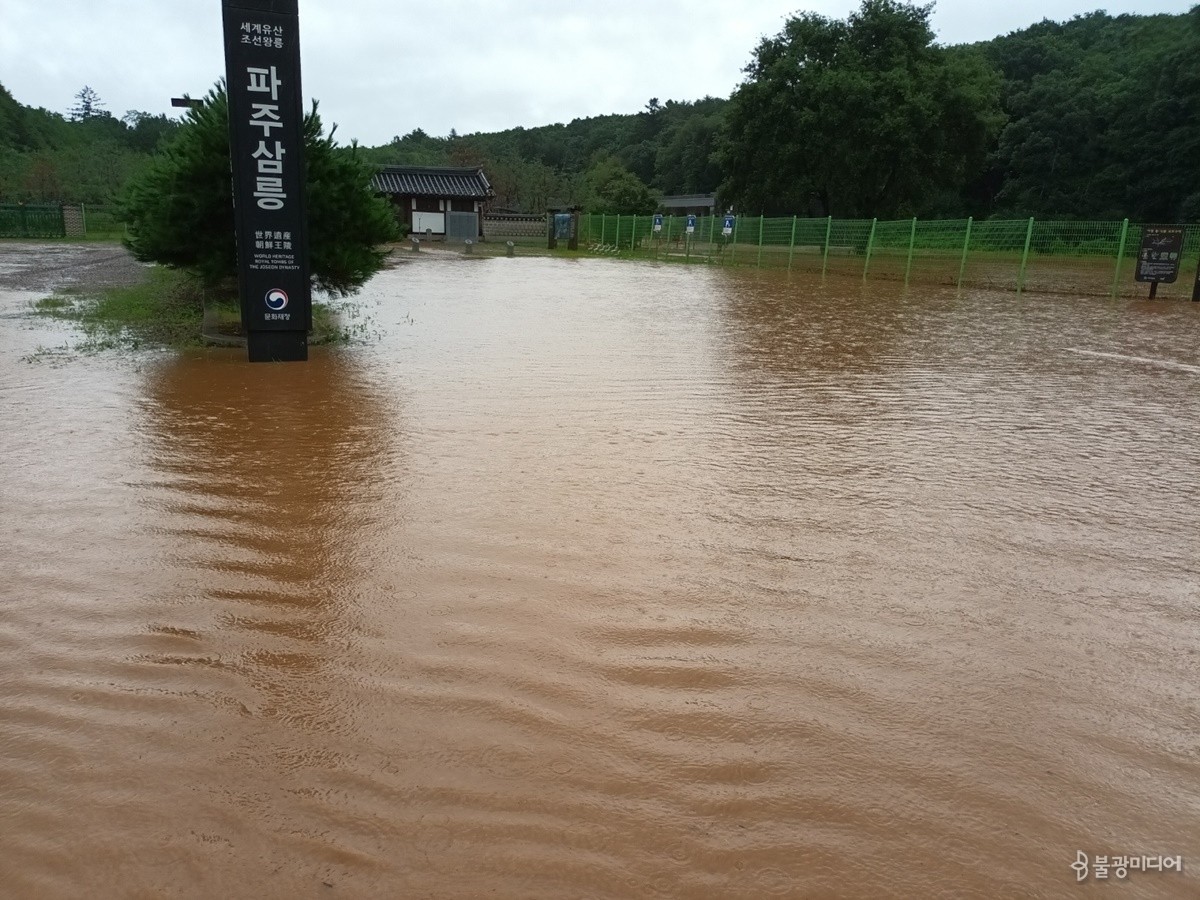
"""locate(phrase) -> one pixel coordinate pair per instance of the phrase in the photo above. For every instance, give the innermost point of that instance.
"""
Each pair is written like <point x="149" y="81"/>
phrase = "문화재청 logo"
<point x="276" y="299"/>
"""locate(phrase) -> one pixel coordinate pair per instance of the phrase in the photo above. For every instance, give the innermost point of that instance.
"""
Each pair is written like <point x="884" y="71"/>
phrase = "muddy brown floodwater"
<point x="611" y="580"/>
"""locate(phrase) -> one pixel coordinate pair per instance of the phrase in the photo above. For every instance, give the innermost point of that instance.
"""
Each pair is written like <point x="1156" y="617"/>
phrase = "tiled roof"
<point x="682" y="201"/>
<point x="430" y="181"/>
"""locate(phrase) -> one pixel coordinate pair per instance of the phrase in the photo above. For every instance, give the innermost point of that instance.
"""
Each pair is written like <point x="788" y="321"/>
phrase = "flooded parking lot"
<point x="586" y="578"/>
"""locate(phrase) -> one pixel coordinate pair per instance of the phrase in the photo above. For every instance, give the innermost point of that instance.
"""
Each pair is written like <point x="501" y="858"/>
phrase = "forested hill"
<point x="1103" y="118"/>
<point x="84" y="156"/>
<point x="668" y="147"/>
<point x="1097" y="117"/>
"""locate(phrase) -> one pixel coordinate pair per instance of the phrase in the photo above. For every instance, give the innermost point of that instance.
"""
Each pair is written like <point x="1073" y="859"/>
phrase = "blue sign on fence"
<point x="727" y="226"/>
<point x="691" y="224"/>
<point x="658" y="222"/>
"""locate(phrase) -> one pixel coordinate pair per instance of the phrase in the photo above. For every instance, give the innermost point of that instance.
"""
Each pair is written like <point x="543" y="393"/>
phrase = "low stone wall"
<point x="513" y="225"/>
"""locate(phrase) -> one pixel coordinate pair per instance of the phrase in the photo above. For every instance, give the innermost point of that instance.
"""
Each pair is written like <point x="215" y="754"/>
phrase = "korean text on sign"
<point x="268" y="186"/>
<point x="258" y="35"/>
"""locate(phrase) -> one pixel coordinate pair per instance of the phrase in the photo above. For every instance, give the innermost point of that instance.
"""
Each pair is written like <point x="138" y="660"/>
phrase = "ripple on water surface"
<point x="604" y="579"/>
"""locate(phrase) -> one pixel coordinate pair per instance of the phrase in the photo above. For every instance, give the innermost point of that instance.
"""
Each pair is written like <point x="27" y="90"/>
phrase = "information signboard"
<point x="1160" y="255"/>
<point x="727" y="226"/>
<point x="691" y="225"/>
<point x="266" y="142"/>
<point x="658" y="220"/>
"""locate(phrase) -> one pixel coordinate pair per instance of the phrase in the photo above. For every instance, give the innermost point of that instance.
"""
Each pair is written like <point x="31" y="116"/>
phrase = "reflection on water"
<point x="609" y="580"/>
<point x="269" y="485"/>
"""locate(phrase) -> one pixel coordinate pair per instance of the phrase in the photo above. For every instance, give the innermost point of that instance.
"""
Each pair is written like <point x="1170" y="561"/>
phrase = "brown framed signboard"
<point x="1160" y="255"/>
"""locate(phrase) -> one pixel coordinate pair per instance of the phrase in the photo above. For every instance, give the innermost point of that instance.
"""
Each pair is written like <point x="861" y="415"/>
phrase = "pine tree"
<point x="88" y="105"/>
<point x="180" y="211"/>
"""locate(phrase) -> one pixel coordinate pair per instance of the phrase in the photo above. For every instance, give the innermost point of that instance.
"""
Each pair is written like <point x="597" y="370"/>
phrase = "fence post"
<point x="1120" y="255"/>
<point x="1025" y="257"/>
<point x="670" y="219"/>
<point x="83" y="218"/>
<point x="912" y="240"/>
<point x="1196" y="283"/>
<point x="633" y="234"/>
<point x="870" y="242"/>
<point x="733" y="239"/>
<point x="792" y="244"/>
<point x="603" y="222"/>
<point x="962" y="266"/>
<point x="761" y="222"/>
<point x="828" y="232"/>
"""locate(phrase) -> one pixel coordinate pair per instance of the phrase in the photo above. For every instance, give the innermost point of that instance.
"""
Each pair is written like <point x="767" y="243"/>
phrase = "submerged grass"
<point x="164" y="310"/>
<point x="167" y="310"/>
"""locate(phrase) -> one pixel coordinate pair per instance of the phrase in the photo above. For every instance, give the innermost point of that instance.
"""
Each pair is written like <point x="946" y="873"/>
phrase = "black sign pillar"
<point x="266" y="142"/>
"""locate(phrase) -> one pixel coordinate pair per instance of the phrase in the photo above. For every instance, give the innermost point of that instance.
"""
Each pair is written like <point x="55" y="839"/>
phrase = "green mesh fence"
<point x="1089" y="258"/>
<point x="26" y="221"/>
<point x="1073" y="257"/>
<point x="101" y="222"/>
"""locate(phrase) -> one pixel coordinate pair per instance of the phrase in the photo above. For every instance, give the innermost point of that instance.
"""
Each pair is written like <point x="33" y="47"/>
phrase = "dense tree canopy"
<point x="867" y="117"/>
<point x="180" y="210"/>
<point x="1104" y="118"/>
<point x="612" y="188"/>
<point x="44" y="157"/>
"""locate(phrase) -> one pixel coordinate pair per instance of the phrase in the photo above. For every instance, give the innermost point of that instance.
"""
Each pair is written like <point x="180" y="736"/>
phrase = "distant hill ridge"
<point x="1099" y="123"/>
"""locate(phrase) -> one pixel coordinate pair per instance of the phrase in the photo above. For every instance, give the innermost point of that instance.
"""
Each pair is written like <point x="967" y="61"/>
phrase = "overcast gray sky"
<point x="384" y="67"/>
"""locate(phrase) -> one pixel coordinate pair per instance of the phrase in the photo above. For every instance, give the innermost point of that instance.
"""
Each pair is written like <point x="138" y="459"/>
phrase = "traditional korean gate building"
<point x="689" y="205"/>
<point x="445" y="203"/>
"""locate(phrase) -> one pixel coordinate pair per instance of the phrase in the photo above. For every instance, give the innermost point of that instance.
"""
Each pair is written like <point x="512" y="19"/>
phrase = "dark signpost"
<point x="266" y="141"/>
<point x="563" y="226"/>
<point x="1160" y="255"/>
